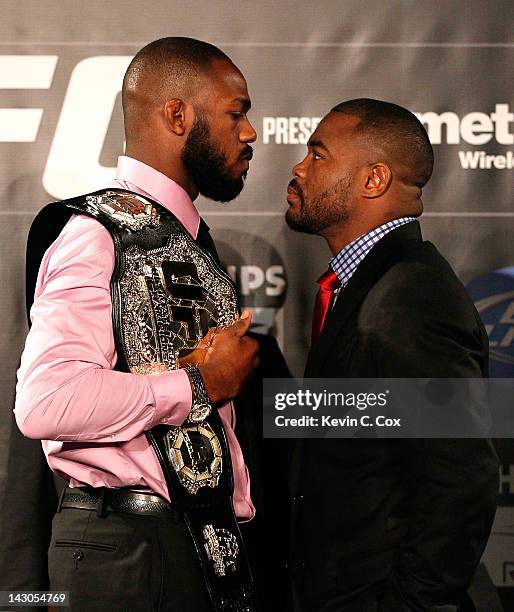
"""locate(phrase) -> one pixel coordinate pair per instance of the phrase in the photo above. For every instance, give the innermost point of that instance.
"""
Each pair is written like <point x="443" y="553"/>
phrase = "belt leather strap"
<point x="104" y="500"/>
<point x="211" y="521"/>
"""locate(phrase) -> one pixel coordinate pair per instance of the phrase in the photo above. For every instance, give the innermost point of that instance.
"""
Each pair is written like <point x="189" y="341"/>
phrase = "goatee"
<point x="329" y="208"/>
<point x="207" y="165"/>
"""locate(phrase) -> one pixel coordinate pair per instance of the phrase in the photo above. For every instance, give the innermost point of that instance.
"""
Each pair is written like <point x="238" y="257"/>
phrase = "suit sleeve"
<point x="454" y="502"/>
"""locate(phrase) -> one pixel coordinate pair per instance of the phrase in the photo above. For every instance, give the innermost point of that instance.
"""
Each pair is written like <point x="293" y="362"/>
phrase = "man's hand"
<point x="197" y="356"/>
<point x="229" y="360"/>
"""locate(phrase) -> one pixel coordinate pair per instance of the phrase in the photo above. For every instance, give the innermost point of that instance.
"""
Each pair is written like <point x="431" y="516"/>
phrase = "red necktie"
<point x="327" y="283"/>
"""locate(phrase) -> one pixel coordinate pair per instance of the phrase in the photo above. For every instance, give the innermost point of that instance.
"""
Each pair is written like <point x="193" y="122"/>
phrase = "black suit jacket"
<point x="409" y="518"/>
<point x="267" y="535"/>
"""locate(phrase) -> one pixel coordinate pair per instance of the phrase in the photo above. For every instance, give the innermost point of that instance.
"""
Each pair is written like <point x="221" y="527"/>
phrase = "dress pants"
<point x="123" y="562"/>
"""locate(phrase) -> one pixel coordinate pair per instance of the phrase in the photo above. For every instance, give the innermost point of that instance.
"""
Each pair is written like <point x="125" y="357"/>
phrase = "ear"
<point x="377" y="181"/>
<point x="175" y="112"/>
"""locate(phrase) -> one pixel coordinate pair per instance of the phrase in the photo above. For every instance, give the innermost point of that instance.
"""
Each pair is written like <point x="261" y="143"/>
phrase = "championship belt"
<point x="166" y="293"/>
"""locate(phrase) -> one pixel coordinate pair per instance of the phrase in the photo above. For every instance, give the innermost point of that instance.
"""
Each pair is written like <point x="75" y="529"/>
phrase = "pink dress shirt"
<point x="91" y="419"/>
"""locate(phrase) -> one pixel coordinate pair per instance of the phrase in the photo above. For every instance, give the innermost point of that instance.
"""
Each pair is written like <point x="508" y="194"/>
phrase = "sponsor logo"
<point x="24" y="72"/>
<point x="493" y="295"/>
<point x="73" y="165"/>
<point x="476" y="128"/>
<point x="258" y="272"/>
<point x="471" y="160"/>
<point x="251" y="278"/>
<point x="288" y="130"/>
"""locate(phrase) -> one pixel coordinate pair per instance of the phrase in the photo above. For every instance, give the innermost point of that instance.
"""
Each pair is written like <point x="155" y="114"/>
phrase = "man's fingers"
<point x="208" y="336"/>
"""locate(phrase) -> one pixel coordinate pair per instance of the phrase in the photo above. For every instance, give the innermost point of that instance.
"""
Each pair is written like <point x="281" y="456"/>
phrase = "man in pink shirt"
<point x="120" y="539"/>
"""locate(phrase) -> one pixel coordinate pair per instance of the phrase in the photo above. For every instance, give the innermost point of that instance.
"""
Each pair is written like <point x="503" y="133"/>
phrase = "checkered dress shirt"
<point x="348" y="259"/>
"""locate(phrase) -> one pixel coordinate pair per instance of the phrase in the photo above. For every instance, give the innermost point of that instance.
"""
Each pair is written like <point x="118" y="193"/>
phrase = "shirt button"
<point x="78" y="554"/>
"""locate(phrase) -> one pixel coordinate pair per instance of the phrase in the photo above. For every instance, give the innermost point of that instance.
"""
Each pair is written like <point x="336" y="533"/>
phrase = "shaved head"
<point x="167" y="68"/>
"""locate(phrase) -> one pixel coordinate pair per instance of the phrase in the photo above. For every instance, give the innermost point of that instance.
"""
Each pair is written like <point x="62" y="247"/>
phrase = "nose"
<point x="248" y="133"/>
<point x="299" y="169"/>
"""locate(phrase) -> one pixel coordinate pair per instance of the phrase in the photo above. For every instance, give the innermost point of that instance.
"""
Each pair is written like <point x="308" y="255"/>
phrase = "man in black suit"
<point x="381" y="524"/>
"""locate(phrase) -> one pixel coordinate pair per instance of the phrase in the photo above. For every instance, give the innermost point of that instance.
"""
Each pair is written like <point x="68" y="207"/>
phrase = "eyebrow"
<point x="317" y="143"/>
<point x="247" y="105"/>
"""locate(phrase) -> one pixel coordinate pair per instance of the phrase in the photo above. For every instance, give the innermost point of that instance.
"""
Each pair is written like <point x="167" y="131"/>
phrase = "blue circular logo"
<point x="493" y="295"/>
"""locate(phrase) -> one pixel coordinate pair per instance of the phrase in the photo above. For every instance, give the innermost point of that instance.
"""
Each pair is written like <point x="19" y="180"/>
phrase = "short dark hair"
<point x="396" y="131"/>
<point x="165" y="68"/>
<point x="175" y="58"/>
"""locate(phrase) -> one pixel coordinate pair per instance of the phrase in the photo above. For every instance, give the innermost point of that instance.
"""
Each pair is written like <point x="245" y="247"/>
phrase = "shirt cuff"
<point x="173" y="397"/>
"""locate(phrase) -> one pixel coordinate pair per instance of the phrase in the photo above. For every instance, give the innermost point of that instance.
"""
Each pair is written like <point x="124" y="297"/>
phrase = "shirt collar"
<point x="346" y="262"/>
<point x="147" y="181"/>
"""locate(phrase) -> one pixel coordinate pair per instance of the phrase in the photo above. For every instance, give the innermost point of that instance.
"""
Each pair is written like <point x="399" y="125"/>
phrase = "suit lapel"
<point x="376" y="263"/>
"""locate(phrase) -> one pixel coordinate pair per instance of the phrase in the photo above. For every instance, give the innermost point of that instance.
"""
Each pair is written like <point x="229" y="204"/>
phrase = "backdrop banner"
<point x="61" y="67"/>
